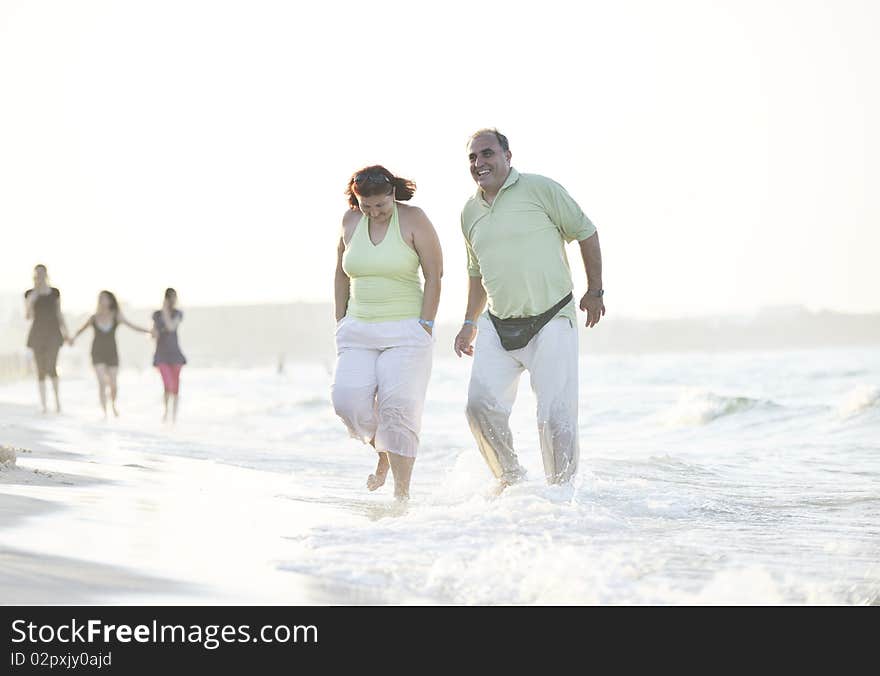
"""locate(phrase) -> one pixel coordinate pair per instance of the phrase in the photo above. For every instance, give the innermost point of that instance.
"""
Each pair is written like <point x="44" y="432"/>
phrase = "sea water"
<point x="747" y="477"/>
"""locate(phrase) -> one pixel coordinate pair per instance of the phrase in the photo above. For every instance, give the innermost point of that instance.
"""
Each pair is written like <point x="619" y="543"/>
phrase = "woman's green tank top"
<point x="385" y="284"/>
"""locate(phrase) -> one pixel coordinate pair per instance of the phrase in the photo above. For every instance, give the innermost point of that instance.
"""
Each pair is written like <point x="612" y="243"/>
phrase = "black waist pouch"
<point x="516" y="332"/>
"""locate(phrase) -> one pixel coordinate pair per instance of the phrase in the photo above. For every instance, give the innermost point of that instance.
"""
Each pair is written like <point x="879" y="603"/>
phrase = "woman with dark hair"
<point x="168" y="358"/>
<point x="42" y="305"/>
<point x="385" y="320"/>
<point x="105" y="357"/>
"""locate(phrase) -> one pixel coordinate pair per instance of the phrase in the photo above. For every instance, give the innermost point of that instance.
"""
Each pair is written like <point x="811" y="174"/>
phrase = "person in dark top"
<point x="48" y="331"/>
<point x="168" y="358"/>
<point x="105" y="357"/>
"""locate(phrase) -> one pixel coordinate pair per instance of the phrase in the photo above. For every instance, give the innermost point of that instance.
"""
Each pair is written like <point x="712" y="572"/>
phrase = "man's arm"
<point x="476" y="303"/>
<point x="592" y="303"/>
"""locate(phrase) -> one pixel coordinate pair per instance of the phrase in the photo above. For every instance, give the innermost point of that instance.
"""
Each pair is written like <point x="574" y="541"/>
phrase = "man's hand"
<point x="594" y="307"/>
<point x="464" y="341"/>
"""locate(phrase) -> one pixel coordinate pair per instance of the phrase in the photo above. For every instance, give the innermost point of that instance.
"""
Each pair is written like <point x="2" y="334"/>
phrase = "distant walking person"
<point x="168" y="358"/>
<point x="48" y="331"/>
<point x="515" y="229"/>
<point x="384" y="320"/>
<point x="105" y="356"/>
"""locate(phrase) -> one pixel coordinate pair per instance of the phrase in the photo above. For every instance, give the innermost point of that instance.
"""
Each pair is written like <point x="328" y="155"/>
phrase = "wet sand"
<point x="81" y="526"/>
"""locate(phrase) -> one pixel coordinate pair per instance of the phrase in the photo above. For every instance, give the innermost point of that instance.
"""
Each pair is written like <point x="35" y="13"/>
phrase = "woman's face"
<point x="171" y="300"/>
<point x="377" y="208"/>
<point x="104" y="302"/>
<point x="40" y="276"/>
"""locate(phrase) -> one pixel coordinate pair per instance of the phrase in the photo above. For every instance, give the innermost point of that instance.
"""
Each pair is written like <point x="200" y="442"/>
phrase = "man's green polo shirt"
<point x="517" y="244"/>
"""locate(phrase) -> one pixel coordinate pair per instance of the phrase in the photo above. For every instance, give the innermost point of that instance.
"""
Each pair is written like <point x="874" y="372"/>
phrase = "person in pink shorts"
<point x="168" y="358"/>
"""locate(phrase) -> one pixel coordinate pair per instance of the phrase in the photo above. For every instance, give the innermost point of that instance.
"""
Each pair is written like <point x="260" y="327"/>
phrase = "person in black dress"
<point x="47" y="333"/>
<point x="105" y="356"/>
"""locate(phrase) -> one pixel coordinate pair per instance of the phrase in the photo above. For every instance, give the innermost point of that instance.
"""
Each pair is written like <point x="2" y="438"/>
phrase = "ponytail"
<point x="404" y="189"/>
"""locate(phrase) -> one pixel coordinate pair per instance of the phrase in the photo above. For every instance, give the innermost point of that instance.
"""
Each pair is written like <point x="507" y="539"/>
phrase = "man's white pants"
<point x="551" y="358"/>
<point x="382" y="372"/>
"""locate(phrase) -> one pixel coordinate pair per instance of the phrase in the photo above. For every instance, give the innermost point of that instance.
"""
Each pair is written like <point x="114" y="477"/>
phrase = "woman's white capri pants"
<point x="382" y="372"/>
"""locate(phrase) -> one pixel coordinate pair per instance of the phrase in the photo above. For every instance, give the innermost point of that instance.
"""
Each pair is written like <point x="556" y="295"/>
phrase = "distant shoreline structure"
<point x="269" y="334"/>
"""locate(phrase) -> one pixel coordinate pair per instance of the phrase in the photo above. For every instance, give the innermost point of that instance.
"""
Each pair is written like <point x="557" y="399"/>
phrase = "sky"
<point x="723" y="149"/>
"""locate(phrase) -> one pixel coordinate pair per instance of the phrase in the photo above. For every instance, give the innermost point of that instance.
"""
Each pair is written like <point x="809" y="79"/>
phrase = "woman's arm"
<point x="82" y="328"/>
<point x="30" y="298"/>
<point x="65" y="334"/>
<point x="122" y="320"/>
<point x="341" y="282"/>
<point x="170" y="322"/>
<point x="427" y="246"/>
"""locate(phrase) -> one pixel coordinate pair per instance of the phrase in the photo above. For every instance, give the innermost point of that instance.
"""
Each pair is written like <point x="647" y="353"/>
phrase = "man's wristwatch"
<point x="427" y="322"/>
<point x="597" y="294"/>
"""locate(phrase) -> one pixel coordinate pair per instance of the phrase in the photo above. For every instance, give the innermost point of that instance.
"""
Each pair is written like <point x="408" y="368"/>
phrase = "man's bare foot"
<point x="377" y="480"/>
<point x="499" y="488"/>
<point x="384" y="510"/>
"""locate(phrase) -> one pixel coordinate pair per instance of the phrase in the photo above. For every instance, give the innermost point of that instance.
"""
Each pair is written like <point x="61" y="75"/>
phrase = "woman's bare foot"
<point x="401" y="467"/>
<point x="377" y="480"/>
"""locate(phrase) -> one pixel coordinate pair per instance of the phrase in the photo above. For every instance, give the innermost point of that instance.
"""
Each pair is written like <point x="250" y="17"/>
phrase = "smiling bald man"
<point x="515" y="229"/>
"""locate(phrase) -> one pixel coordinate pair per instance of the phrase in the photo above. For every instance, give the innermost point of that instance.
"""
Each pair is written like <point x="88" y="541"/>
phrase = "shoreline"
<point x="147" y="528"/>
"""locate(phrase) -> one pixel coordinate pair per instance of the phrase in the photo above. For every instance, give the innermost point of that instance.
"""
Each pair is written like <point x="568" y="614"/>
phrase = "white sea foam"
<point x="7" y="456"/>
<point x="699" y="407"/>
<point x="859" y="400"/>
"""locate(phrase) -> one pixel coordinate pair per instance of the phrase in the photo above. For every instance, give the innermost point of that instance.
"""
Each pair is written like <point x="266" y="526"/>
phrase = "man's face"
<point x="489" y="163"/>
